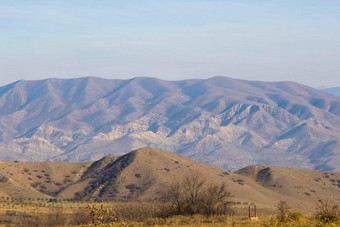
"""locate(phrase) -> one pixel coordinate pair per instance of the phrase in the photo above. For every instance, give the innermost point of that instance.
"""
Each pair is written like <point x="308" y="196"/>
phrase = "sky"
<point x="295" y="40"/>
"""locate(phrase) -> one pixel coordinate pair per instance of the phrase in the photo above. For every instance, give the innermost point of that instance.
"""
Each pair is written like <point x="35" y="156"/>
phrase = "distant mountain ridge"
<point x="332" y="90"/>
<point x="226" y="122"/>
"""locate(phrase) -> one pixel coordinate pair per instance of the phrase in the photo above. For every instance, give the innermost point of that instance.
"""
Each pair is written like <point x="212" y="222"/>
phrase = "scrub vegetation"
<point x="191" y="201"/>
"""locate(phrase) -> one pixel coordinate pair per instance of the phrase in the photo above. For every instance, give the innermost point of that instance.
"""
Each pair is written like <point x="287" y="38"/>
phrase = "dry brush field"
<point x="52" y="212"/>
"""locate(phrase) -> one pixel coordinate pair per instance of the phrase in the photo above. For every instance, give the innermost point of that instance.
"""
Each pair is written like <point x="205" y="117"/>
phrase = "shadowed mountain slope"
<point x="146" y="173"/>
<point x="226" y="122"/>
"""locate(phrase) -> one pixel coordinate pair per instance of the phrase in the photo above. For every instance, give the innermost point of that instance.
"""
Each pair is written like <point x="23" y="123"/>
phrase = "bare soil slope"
<point x="38" y="179"/>
<point x="287" y="183"/>
<point x="146" y="173"/>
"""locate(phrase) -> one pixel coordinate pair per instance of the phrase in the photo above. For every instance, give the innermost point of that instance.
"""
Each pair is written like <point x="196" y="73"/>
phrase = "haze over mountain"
<point x="332" y="90"/>
<point x="226" y="122"/>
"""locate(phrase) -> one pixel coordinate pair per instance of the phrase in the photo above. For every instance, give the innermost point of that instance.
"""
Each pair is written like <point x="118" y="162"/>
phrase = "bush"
<point x="137" y="211"/>
<point x="283" y="209"/>
<point x="327" y="211"/>
<point x="295" y="216"/>
<point x="55" y="217"/>
<point x="101" y="215"/>
<point x="193" y="195"/>
<point x="80" y="217"/>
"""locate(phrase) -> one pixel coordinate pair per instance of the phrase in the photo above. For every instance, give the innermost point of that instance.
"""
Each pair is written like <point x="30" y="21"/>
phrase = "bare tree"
<point x="218" y="200"/>
<point x="283" y="209"/>
<point x="195" y="195"/>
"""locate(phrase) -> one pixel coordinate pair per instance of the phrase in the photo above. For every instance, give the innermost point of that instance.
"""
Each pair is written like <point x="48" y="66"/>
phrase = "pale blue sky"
<point x="296" y="40"/>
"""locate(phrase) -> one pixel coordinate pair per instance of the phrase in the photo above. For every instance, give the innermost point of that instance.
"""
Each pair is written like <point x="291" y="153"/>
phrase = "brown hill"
<point x="38" y="179"/>
<point x="146" y="172"/>
<point x="285" y="182"/>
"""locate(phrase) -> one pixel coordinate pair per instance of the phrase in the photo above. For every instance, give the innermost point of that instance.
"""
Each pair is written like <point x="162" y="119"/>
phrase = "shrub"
<point x="80" y="217"/>
<point x="101" y="215"/>
<point x="193" y="195"/>
<point x="327" y="211"/>
<point x="55" y="217"/>
<point x="295" y="216"/>
<point x="283" y="209"/>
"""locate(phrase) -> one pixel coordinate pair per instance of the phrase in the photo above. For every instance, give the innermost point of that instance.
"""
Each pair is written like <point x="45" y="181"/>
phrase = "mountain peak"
<point x="223" y="121"/>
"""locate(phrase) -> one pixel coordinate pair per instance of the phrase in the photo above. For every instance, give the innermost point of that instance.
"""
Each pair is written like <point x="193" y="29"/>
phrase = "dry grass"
<point x="25" y="190"/>
<point x="141" y="214"/>
<point x="222" y="220"/>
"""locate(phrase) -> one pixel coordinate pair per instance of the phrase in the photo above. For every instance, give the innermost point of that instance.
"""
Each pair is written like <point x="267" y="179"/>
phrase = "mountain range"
<point x="222" y="121"/>
<point x="332" y="90"/>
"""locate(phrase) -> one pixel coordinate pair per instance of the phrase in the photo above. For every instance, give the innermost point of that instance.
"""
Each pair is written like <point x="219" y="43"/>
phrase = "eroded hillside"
<point x="226" y="122"/>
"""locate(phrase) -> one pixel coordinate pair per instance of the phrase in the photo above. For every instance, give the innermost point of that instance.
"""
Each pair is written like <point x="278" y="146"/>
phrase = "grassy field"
<point x="199" y="220"/>
<point x="64" y="213"/>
